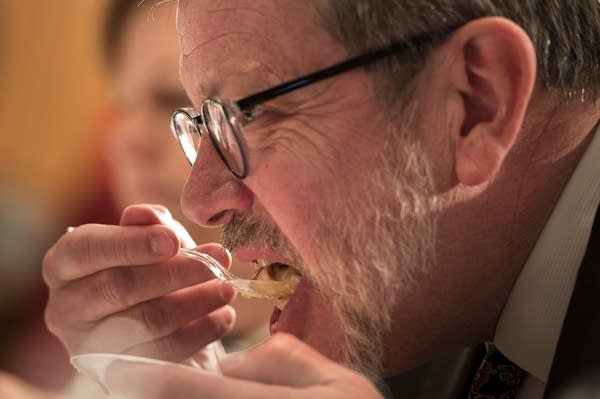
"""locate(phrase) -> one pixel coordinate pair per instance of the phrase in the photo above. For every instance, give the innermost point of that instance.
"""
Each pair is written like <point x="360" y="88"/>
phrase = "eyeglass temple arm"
<point x="249" y="102"/>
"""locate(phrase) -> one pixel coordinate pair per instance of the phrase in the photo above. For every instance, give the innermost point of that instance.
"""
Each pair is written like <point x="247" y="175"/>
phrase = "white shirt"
<point x="530" y="324"/>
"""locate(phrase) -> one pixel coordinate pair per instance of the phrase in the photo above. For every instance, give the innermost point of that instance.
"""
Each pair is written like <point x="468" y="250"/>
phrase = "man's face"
<point x="324" y="193"/>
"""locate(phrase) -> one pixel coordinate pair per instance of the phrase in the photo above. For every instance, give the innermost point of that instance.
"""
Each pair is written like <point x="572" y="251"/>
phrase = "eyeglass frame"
<point x="246" y="107"/>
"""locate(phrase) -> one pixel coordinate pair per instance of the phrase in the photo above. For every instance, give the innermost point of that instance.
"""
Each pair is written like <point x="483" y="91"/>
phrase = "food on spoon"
<point x="275" y="281"/>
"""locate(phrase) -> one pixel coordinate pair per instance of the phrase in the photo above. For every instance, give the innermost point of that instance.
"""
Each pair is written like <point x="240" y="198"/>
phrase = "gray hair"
<point x="565" y="33"/>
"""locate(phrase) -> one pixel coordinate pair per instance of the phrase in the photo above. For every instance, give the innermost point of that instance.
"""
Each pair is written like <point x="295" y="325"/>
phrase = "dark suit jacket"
<point x="578" y="352"/>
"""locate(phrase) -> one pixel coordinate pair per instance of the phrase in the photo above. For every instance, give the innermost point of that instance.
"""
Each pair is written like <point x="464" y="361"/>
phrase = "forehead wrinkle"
<point x="218" y="21"/>
<point x="223" y="43"/>
<point x="216" y="37"/>
<point x="208" y="43"/>
<point x="233" y="9"/>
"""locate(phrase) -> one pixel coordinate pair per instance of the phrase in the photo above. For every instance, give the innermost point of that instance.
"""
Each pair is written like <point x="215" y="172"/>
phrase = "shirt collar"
<point x="530" y="323"/>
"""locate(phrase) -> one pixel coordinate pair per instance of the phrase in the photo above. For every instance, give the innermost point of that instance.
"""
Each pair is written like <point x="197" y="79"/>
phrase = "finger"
<point x="158" y="318"/>
<point x="120" y="288"/>
<point x="189" y="339"/>
<point x="152" y="214"/>
<point x="142" y="214"/>
<point x="91" y="248"/>
<point x="284" y="360"/>
<point x="135" y="380"/>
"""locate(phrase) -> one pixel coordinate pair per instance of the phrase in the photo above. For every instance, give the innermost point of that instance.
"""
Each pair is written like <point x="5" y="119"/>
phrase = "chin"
<point x="308" y="317"/>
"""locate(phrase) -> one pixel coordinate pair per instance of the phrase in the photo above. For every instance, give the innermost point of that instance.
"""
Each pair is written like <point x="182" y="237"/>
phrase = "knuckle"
<point x="282" y="343"/>
<point x="50" y="320"/>
<point x="48" y="268"/>
<point x="172" y="347"/>
<point x="115" y="249"/>
<point x="75" y="250"/>
<point x="123" y="247"/>
<point x="116" y="285"/>
<point x="70" y="252"/>
<point x="173" y="277"/>
<point x="212" y="327"/>
<point x="54" y="321"/>
<point x="60" y="316"/>
<point x="155" y="318"/>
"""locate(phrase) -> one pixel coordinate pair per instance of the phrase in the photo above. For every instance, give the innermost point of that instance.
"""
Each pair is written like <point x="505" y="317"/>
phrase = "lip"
<point x="249" y="254"/>
<point x="285" y="320"/>
<point x="274" y="320"/>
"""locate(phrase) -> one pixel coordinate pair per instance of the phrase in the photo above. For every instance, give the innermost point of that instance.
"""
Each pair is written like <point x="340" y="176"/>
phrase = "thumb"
<point x="142" y="214"/>
<point x="281" y="360"/>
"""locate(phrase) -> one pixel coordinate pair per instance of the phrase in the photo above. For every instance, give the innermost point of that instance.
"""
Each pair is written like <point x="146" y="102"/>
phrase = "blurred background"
<point x="52" y="85"/>
<point x="53" y="89"/>
<point x="68" y="119"/>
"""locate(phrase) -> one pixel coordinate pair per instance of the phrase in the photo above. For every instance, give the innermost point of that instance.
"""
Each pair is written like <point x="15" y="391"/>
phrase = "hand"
<point x="282" y="367"/>
<point x="120" y="289"/>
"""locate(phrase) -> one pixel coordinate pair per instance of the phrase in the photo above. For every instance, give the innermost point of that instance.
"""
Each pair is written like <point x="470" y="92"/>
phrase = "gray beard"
<point x="371" y="249"/>
<point x="389" y="238"/>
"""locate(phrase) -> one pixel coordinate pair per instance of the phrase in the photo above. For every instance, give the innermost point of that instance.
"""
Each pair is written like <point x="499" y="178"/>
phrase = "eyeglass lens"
<point x="224" y="135"/>
<point x="188" y="135"/>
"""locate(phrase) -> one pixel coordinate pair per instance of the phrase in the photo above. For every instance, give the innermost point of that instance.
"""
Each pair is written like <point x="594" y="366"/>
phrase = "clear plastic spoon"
<point x="268" y="289"/>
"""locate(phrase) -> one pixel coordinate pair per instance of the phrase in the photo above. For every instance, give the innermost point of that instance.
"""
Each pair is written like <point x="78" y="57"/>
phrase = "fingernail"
<point x="227" y="291"/>
<point x="229" y="316"/>
<point x="162" y="244"/>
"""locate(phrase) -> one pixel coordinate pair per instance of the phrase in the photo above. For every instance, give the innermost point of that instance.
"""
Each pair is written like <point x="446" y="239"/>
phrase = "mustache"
<point x="246" y="230"/>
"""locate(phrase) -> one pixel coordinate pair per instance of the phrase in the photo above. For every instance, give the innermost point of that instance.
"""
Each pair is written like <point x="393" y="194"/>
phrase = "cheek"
<point x="301" y="177"/>
<point x="293" y="192"/>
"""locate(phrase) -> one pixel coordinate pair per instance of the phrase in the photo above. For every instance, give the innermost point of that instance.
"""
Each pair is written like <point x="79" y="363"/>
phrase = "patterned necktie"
<point x="496" y="378"/>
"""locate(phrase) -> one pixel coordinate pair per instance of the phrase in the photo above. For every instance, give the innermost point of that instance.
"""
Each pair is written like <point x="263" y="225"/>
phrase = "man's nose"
<point x="212" y="194"/>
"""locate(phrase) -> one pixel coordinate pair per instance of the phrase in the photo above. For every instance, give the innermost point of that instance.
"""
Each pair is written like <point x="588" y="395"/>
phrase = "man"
<point x="408" y="186"/>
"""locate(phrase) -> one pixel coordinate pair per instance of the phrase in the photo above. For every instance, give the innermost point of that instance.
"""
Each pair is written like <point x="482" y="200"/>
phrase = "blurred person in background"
<point x="142" y="164"/>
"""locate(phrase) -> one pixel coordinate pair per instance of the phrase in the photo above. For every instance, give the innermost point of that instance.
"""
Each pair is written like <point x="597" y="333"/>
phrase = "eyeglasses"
<point x="224" y="120"/>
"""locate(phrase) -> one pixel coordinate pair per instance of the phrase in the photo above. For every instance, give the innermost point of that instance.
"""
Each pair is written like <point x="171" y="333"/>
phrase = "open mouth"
<point x="275" y="281"/>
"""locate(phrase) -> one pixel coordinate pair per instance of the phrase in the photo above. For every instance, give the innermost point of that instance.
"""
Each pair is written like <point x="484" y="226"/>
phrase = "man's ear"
<point x="495" y="78"/>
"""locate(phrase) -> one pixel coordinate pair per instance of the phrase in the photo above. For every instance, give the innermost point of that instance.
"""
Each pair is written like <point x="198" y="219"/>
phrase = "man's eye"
<point x="269" y="116"/>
